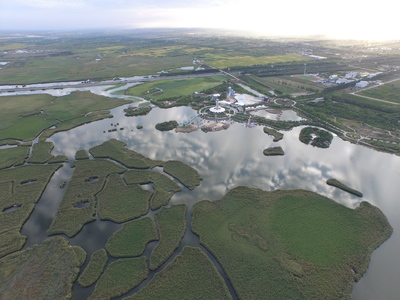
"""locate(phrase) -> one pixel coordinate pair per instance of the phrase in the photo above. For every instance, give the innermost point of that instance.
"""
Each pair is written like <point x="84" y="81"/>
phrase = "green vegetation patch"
<point x="137" y="111"/>
<point x="20" y="189"/>
<point x="342" y="186"/>
<point x="184" y="173"/>
<point x="277" y="135"/>
<point x="191" y="275"/>
<point x="78" y="205"/>
<point x="119" y="202"/>
<point x="58" y="159"/>
<point x="164" y="89"/>
<point x="164" y="187"/>
<point x="132" y="238"/>
<point x="317" y="137"/>
<point x="41" y="153"/>
<point x="94" y="269"/>
<point x="116" y="150"/>
<point x="120" y="277"/>
<point x="289" y="244"/>
<point x="167" y="126"/>
<point x="81" y="154"/>
<point x="273" y="151"/>
<point x="46" y="271"/>
<point x="24" y="117"/>
<point x="171" y="224"/>
<point x="13" y="156"/>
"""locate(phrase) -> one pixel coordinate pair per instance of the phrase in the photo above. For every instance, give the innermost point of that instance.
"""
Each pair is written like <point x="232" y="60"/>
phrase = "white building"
<point x="351" y="75"/>
<point x="362" y="84"/>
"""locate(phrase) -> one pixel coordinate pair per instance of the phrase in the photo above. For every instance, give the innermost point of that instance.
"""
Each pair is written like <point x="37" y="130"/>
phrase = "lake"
<point x="234" y="157"/>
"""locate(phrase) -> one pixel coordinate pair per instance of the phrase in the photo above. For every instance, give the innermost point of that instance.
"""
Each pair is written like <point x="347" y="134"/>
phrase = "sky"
<point x="340" y="18"/>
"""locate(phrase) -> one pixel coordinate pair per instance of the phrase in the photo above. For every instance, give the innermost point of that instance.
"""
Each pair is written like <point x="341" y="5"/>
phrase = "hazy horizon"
<point x="341" y="19"/>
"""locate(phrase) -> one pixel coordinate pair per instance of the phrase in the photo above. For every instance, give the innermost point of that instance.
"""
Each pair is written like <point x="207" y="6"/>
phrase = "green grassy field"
<point x="191" y="275"/>
<point x="289" y="244"/>
<point x="87" y="180"/>
<point x="46" y="271"/>
<point x="119" y="202"/>
<point x="70" y="68"/>
<point x="120" y="277"/>
<point x="94" y="269"/>
<point x="132" y="239"/>
<point x="225" y="61"/>
<point x="13" y="156"/>
<point x="389" y="92"/>
<point x="21" y="188"/>
<point x="171" y="224"/>
<point x="163" y="89"/>
<point x="185" y="174"/>
<point x="24" y="117"/>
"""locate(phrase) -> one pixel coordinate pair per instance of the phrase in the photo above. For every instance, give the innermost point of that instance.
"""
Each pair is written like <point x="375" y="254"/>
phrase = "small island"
<point x="273" y="151"/>
<point x="137" y="111"/>
<point x="277" y="135"/>
<point x="167" y="126"/>
<point x="316" y="137"/>
<point x="336" y="183"/>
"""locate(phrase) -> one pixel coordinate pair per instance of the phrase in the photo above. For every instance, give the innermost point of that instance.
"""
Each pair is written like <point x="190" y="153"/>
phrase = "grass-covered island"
<point x="277" y="135"/>
<point x="291" y="244"/>
<point x="167" y="126"/>
<point x="273" y="151"/>
<point x="137" y="111"/>
<point x="317" y="137"/>
<point x="336" y="183"/>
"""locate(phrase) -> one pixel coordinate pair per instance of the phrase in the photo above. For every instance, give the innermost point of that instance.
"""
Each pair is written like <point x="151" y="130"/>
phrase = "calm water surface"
<point x="234" y="157"/>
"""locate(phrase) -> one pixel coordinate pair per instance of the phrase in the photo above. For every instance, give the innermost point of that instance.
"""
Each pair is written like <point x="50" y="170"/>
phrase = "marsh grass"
<point x="13" y="156"/>
<point x="191" y="275"/>
<point x="46" y="271"/>
<point x="132" y="238"/>
<point x="277" y="135"/>
<point x="171" y="224"/>
<point x="115" y="149"/>
<point x="94" y="269"/>
<point x="41" y="153"/>
<point x="21" y="187"/>
<point x="336" y="183"/>
<point x="120" y="277"/>
<point x="119" y="202"/>
<point x="184" y="173"/>
<point x="87" y="180"/>
<point x="24" y="117"/>
<point x="273" y="151"/>
<point x="164" y="187"/>
<point x="81" y="154"/>
<point x="289" y="244"/>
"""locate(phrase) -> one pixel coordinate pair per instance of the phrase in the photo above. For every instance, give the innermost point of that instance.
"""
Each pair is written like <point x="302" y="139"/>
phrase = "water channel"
<point x="230" y="158"/>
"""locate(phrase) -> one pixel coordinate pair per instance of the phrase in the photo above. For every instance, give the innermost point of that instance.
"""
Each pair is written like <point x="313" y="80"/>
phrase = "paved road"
<point x="375" y="86"/>
<point x="56" y="85"/>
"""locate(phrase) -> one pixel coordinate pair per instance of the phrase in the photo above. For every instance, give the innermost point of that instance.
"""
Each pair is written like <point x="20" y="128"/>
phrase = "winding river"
<point x="231" y="158"/>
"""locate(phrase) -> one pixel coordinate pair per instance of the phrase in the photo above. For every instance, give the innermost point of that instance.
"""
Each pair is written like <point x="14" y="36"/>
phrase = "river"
<point x="231" y="158"/>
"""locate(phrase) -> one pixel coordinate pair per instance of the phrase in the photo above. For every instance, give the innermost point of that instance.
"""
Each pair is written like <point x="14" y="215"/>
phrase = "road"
<point x="375" y="86"/>
<point x="50" y="85"/>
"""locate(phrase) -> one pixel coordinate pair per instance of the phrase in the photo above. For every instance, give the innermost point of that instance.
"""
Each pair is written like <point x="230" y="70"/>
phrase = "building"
<point x="351" y="75"/>
<point x="362" y="84"/>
